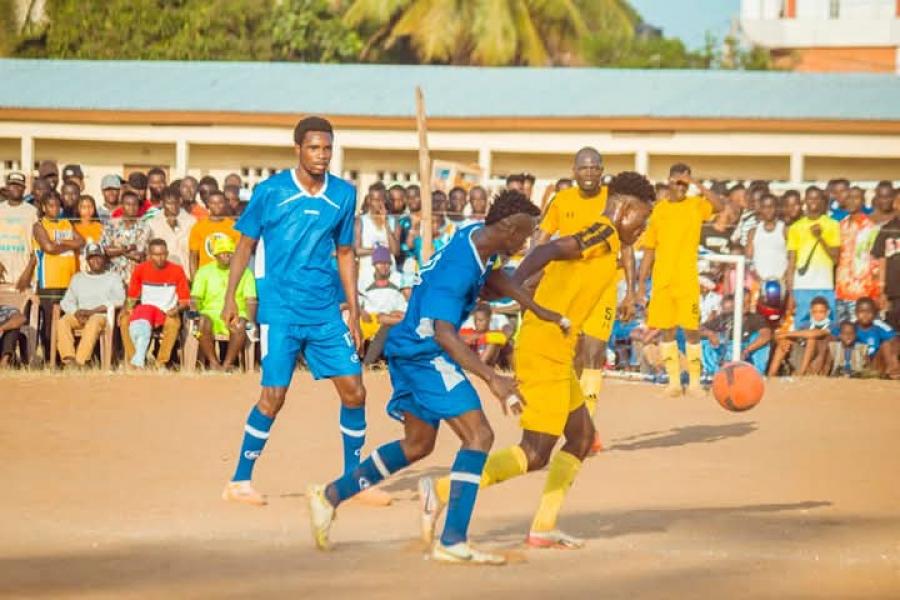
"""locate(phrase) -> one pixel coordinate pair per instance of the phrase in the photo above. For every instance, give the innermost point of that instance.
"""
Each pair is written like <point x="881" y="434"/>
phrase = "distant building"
<point x="826" y="35"/>
<point x="214" y="118"/>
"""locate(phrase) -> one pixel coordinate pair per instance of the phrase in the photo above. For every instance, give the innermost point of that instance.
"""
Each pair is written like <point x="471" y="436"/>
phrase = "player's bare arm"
<point x="346" y="262"/>
<point x="626" y="308"/>
<point x="646" y="269"/>
<point x="502" y="286"/>
<point x="566" y="248"/>
<point x="447" y="337"/>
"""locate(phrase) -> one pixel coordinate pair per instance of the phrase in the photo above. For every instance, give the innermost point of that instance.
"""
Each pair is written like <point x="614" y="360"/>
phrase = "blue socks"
<point x="353" y="433"/>
<point x="387" y="459"/>
<point x="256" y="432"/>
<point x="465" y="477"/>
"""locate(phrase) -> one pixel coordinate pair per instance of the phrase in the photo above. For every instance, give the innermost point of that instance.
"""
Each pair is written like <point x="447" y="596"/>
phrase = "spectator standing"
<point x="456" y="206"/>
<point x="382" y="305"/>
<point x="74" y="174"/>
<point x="70" y="193"/>
<point x="208" y="299"/>
<point x="157" y="293"/>
<point x="232" y="179"/>
<point x="856" y="274"/>
<point x="125" y="238"/>
<point x="88" y="226"/>
<point x="813" y="245"/>
<point x="206" y="187"/>
<point x="715" y="236"/>
<point x="49" y="172"/>
<point x="883" y="203"/>
<point x="111" y="186"/>
<point x="10" y="322"/>
<point x="17" y="221"/>
<point x="40" y="191"/>
<point x="84" y="306"/>
<point x="478" y="203"/>
<point x="748" y="219"/>
<point x="233" y="200"/>
<point x="156" y="183"/>
<point x="793" y="207"/>
<point x="528" y="184"/>
<point x="173" y="226"/>
<point x="886" y="251"/>
<point x="515" y="182"/>
<point x="838" y="192"/>
<point x="767" y="244"/>
<point x="372" y="230"/>
<point x="188" y="190"/>
<point x="206" y="231"/>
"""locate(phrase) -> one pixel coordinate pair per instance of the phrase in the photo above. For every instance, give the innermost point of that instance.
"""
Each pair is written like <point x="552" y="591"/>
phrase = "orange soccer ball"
<point x="738" y="386"/>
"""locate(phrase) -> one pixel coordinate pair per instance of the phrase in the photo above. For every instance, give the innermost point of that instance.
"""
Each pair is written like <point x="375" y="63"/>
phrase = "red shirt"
<point x="119" y="211"/>
<point x="163" y="288"/>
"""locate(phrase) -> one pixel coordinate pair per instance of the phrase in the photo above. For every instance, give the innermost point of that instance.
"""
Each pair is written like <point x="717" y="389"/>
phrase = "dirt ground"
<point x="111" y="488"/>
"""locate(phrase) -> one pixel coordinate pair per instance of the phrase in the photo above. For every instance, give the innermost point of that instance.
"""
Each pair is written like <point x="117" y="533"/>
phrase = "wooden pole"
<point x="424" y="177"/>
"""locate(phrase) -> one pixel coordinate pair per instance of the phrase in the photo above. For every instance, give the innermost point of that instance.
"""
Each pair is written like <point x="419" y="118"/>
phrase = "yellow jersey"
<point x="673" y="231"/>
<point x="572" y="288"/>
<point x="54" y="271"/>
<point x="569" y="212"/>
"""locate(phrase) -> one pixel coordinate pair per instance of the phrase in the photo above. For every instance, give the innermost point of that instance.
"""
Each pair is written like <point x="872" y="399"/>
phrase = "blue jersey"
<point x="298" y="233"/>
<point x="874" y="335"/>
<point x="446" y="290"/>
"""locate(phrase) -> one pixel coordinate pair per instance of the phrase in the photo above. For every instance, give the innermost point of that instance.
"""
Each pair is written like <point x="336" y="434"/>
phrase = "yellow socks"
<point x="669" y="353"/>
<point x="563" y="469"/>
<point x="591" y="384"/>
<point x="500" y="466"/>
<point x="694" y="355"/>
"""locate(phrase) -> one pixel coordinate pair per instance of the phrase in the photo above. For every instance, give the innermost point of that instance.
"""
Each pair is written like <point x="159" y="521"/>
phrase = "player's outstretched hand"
<point x="230" y="312"/>
<point x="507" y="392"/>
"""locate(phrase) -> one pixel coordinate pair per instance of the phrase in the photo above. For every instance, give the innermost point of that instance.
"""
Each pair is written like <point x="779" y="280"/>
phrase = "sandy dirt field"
<point x="111" y="489"/>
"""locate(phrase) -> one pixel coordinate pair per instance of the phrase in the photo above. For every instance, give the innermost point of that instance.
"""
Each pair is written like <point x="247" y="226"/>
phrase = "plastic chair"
<point x="21" y="301"/>
<point x="105" y="340"/>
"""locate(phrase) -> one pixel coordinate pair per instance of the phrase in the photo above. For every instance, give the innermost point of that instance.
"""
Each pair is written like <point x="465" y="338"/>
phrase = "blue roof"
<point x="387" y="90"/>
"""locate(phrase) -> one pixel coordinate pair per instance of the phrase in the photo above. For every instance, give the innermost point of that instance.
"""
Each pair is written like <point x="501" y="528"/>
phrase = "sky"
<point x="689" y="19"/>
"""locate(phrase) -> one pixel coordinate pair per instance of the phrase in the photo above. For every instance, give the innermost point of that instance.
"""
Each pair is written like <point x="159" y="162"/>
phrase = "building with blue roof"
<point x="217" y="117"/>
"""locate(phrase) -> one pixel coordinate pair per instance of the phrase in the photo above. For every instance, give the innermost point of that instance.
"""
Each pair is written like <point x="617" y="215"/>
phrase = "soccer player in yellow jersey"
<point x="579" y="269"/>
<point x="671" y="244"/>
<point x="572" y="210"/>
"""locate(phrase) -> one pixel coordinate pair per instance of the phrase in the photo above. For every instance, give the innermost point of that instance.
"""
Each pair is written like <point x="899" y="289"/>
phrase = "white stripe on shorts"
<point x="379" y="464"/>
<point x="263" y="340"/>
<point x="262" y="435"/>
<point x="465" y="477"/>
<point x="357" y="433"/>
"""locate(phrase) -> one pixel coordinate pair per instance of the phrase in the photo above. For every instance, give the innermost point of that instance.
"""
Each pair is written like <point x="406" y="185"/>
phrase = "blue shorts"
<point x="328" y="350"/>
<point x="431" y="390"/>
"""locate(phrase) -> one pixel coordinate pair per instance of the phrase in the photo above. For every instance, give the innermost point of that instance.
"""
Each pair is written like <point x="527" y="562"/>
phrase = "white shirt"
<point x="16" y="233"/>
<point x="176" y="239"/>
<point x="382" y="300"/>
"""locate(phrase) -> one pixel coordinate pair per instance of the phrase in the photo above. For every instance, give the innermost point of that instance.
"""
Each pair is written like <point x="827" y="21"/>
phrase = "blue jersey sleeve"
<point x="250" y="222"/>
<point x="343" y="234"/>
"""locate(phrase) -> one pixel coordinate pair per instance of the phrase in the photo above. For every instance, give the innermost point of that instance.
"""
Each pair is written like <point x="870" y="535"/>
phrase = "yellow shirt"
<point x="54" y="271"/>
<point x="572" y="288"/>
<point x="569" y="212"/>
<point x="204" y="234"/>
<point x="811" y="254"/>
<point x="673" y="231"/>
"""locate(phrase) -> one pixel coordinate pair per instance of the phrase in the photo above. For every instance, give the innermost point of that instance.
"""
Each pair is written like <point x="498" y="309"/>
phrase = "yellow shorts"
<point x="551" y="392"/>
<point x="599" y="324"/>
<point x="670" y="308"/>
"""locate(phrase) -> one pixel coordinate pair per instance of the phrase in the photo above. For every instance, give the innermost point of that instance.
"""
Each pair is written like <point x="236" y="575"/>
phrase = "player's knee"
<point x="482" y="438"/>
<point x="537" y="457"/>
<point x="271" y="401"/>
<point x="354" y="396"/>
<point x="418" y="448"/>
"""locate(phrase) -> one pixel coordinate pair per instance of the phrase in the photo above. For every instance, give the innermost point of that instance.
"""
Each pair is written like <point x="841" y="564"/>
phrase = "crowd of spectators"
<point x="821" y="294"/>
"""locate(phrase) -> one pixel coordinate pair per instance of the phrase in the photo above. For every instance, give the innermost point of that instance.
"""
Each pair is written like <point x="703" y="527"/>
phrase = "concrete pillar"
<point x="796" y="168"/>
<point x="182" y="158"/>
<point x="641" y="161"/>
<point x="484" y="161"/>
<point x="26" y="157"/>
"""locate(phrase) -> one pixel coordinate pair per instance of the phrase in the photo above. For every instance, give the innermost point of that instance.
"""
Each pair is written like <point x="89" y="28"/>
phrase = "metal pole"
<point x="738" y="308"/>
<point x="424" y="177"/>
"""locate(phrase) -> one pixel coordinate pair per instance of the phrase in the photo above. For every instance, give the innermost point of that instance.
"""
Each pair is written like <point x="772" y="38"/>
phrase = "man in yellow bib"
<point x="583" y="267"/>
<point x="671" y="246"/>
<point x="570" y="211"/>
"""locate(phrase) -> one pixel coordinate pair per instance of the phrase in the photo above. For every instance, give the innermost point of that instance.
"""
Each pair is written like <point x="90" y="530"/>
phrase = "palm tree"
<point x="486" y="32"/>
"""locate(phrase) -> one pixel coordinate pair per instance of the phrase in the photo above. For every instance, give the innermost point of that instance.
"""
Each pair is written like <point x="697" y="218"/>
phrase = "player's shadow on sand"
<point x="681" y="436"/>
<point x="612" y="524"/>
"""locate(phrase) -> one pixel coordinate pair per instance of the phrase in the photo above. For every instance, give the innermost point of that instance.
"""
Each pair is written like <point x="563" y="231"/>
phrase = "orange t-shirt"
<point x="204" y="234"/>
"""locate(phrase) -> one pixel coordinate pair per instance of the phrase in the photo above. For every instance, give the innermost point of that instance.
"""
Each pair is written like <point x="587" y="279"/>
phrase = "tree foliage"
<point x="191" y="30"/>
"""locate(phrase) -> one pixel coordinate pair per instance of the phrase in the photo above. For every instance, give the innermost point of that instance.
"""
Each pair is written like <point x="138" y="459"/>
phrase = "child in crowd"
<point x="879" y="338"/>
<point x="717" y="334"/>
<point x="813" y="335"/>
<point x="481" y="337"/>
<point x="848" y="354"/>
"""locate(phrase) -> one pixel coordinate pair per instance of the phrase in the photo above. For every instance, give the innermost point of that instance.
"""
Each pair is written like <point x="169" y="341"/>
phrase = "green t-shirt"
<point x="210" y="285"/>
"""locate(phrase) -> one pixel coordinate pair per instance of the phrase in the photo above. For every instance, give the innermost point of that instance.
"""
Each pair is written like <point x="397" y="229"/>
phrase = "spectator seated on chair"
<point x="850" y="356"/>
<point x="484" y="340"/>
<point x="85" y="304"/>
<point x="813" y="335"/>
<point x="10" y="322"/>
<point x="161" y="289"/>
<point x="382" y="305"/>
<point x="208" y="299"/>
<point x="718" y="331"/>
<point x="879" y="338"/>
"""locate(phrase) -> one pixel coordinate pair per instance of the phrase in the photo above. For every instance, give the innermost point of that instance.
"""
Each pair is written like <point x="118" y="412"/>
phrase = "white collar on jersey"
<point x="304" y="193"/>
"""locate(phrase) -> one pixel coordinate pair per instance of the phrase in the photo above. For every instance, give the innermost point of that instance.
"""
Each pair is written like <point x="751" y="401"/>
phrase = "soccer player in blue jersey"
<point x="298" y="220"/>
<point x="427" y="358"/>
